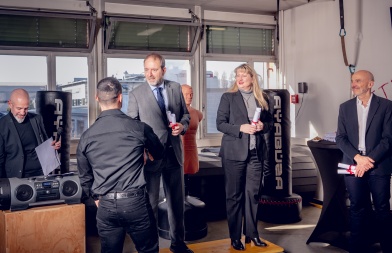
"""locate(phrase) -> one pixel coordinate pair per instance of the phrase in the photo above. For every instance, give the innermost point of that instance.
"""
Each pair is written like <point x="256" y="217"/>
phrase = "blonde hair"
<point x="257" y="91"/>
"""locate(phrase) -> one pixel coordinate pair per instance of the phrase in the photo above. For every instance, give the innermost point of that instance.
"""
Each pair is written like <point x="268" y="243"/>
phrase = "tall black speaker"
<point x="22" y="193"/>
<point x="55" y="108"/>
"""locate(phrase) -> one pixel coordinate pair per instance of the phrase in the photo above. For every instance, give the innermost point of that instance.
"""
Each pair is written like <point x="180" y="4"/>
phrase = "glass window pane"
<point x="267" y="73"/>
<point x="74" y="80"/>
<point x="219" y="77"/>
<point x="31" y="30"/>
<point x="240" y="40"/>
<point x="127" y="35"/>
<point x="27" y="72"/>
<point x="130" y="73"/>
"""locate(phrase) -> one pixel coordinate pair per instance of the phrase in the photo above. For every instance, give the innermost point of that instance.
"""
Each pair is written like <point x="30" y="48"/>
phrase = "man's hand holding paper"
<point x="47" y="156"/>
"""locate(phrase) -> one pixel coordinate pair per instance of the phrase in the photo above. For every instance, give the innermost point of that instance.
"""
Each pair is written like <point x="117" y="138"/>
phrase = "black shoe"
<point x="257" y="242"/>
<point x="237" y="244"/>
<point x="182" y="248"/>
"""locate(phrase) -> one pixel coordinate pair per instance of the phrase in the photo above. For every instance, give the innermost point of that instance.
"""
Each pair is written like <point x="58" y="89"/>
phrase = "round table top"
<point x="322" y="144"/>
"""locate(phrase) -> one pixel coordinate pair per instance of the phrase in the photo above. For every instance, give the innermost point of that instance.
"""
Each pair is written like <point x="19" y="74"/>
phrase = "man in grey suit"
<point x="149" y="103"/>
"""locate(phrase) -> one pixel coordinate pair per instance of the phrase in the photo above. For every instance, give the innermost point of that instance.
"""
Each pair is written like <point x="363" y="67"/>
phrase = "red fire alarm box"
<point x="294" y="99"/>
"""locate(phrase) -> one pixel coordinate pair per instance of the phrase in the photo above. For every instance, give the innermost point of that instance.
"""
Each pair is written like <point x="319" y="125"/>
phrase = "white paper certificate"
<point x="47" y="156"/>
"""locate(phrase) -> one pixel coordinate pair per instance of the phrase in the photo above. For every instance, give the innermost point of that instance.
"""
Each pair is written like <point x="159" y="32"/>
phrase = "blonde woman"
<point x="242" y="151"/>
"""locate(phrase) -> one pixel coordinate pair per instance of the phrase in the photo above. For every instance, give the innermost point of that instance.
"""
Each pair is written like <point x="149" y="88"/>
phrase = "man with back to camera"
<point x="364" y="135"/>
<point x="20" y="133"/>
<point x="149" y="103"/>
<point x="110" y="158"/>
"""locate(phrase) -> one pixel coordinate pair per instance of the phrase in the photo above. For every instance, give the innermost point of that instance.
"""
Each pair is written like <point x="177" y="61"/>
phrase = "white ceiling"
<point x="239" y="6"/>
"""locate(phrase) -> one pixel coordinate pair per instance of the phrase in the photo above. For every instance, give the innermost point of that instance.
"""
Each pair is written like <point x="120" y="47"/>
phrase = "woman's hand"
<point x="259" y="126"/>
<point x="248" y="128"/>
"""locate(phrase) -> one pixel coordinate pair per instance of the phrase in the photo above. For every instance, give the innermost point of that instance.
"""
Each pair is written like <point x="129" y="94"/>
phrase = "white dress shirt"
<point x="362" y="112"/>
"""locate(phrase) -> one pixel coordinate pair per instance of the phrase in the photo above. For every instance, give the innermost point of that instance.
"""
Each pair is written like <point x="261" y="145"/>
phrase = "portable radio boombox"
<point x="22" y="193"/>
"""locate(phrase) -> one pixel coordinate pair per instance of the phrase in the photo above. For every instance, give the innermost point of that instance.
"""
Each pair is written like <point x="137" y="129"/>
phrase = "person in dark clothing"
<point x="20" y="133"/>
<point x="364" y="135"/>
<point x="243" y="151"/>
<point x="110" y="158"/>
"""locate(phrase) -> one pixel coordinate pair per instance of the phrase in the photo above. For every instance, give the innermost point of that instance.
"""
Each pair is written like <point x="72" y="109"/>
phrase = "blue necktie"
<point x="161" y="101"/>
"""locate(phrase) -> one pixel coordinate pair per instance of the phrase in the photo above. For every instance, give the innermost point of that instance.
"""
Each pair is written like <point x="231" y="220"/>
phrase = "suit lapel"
<point x="241" y="104"/>
<point x="374" y="104"/>
<point x="36" y="129"/>
<point x="169" y="93"/>
<point x="153" y="101"/>
<point x="13" y="130"/>
<point x="353" y="119"/>
<point x="151" y="97"/>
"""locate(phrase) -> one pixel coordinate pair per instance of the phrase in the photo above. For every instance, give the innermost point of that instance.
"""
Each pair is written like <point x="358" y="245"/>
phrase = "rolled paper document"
<point x="256" y="117"/>
<point x="346" y="169"/>
<point x="172" y="118"/>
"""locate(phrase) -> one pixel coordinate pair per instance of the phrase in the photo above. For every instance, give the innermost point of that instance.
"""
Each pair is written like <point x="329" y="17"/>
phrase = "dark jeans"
<point x="360" y="189"/>
<point x="134" y="216"/>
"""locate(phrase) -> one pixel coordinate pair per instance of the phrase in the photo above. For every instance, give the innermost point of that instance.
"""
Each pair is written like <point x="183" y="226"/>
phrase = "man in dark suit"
<point x="149" y="103"/>
<point x="20" y="133"/>
<point x="364" y="135"/>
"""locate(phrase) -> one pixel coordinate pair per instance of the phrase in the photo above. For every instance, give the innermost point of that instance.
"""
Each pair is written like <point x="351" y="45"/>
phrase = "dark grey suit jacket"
<point x="378" y="137"/>
<point x="232" y="113"/>
<point x="11" y="150"/>
<point x="143" y="106"/>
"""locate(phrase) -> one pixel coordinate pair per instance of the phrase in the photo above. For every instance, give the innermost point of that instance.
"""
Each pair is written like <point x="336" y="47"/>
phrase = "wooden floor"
<point x="223" y="246"/>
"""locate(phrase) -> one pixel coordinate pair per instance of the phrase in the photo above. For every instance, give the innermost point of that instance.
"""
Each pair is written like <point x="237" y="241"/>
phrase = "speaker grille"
<point x="70" y="188"/>
<point x="24" y="192"/>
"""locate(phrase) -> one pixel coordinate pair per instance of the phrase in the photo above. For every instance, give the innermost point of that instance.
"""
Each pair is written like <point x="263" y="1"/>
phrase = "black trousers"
<point x="242" y="183"/>
<point x="360" y="189"/>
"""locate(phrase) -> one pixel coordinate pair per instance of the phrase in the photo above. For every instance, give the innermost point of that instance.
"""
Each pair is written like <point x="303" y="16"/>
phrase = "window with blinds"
<point x="29" y="30"/>
<point x="239" y="40"/>
<point x="127" y="34"/>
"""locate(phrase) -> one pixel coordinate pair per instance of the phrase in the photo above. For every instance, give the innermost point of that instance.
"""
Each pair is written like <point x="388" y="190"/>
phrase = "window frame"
<point x="214" y="139"/>
<point x="52" y="14"/>
<point x="51" y="74"/>
<point x="237" y="25"/>
<point x="188" y="22"/>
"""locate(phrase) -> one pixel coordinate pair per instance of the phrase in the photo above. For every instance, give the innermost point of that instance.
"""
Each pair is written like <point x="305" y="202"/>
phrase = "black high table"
<point x="333" y="224"/>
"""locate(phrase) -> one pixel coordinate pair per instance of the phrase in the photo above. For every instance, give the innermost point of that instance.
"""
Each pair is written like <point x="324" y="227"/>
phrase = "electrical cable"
<point x="302" y="100"/>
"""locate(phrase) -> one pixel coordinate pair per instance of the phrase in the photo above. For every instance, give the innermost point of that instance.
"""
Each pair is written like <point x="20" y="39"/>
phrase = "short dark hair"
<point x="108" y="90"/>
<point x="156" y="56"/>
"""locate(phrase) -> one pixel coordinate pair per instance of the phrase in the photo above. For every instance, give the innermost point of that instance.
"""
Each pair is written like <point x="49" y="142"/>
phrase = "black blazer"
<point x="378" y="133"/>
<point x="11" y="150"/>
<point x="231" y="115"/>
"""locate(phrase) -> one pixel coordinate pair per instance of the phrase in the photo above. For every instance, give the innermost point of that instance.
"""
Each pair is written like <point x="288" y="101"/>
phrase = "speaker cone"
<point x="70" y="188"/>
<point x="24" y="192"/>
